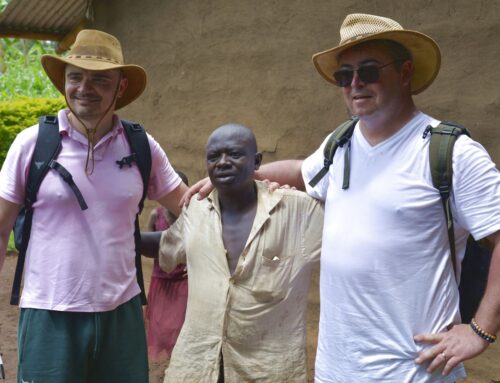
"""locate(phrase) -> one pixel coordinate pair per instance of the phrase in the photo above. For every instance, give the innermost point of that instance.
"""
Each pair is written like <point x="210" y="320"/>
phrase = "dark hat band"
<point x="89" y="57"/>
<point x="98" y="52"/>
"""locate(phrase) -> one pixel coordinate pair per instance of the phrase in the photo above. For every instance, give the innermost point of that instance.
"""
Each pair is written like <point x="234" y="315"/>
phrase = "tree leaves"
<point x="21" y="73"/>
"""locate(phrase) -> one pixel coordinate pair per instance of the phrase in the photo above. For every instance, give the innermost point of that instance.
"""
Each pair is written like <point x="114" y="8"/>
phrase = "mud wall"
<point x="215" y="61"/>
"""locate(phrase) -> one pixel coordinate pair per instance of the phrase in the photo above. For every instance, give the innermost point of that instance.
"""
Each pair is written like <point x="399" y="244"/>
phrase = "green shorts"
<point x="80" y="347"/>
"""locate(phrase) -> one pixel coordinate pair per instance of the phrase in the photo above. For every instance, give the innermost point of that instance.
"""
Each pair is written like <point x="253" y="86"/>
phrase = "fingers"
<point x="449" y="348"/>
<point x="429" y="353"/>
<point x="436" y="355"/>
<point x="202" y="187"/>
<point x="272" y="186"/>
<point x="185" y="199"/>
<point x="440" y="360"/>
<point x="429" y="338"/>
<point x="451" y="364"/>
<point x="206" y="189"/>
<point x="443" y="360"/>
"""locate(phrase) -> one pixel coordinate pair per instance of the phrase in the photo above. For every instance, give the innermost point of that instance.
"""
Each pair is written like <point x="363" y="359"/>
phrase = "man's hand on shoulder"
<point x="203" y="187"/>
<point x="272" y="185"/>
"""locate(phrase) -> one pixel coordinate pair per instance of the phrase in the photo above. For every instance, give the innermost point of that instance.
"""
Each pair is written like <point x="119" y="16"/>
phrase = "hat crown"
<point x="97" y="45"/>
<point x="360" y="25"/>
<point x="96" y="51"/>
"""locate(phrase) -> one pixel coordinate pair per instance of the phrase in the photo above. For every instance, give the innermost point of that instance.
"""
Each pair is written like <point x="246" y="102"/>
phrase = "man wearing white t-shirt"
<point x="389" y="298"/>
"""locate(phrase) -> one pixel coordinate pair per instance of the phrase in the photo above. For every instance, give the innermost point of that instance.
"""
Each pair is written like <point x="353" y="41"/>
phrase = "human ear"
<point x="407" y="72"/>
<point x="123" y="86"/>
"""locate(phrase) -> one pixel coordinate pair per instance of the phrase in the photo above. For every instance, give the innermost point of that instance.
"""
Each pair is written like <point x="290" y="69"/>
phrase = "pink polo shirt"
<point x="83" y="260"/>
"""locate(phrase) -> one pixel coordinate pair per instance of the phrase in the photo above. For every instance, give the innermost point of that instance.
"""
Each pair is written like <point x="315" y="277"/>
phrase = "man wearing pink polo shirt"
<point x="81" y="315"/>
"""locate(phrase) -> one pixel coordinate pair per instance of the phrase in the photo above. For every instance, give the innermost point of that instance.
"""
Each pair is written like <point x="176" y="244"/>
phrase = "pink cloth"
<point x="83" y="260"/>
<point x="167" y="300"/>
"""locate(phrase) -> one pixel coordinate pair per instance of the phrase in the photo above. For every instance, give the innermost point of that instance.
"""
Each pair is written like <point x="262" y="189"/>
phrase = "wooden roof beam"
<point x="30" y="35"/>
<point x="68" y="40"/>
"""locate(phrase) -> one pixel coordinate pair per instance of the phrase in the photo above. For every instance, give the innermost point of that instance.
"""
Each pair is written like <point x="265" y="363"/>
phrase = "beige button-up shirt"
<point x="256" y="317"/>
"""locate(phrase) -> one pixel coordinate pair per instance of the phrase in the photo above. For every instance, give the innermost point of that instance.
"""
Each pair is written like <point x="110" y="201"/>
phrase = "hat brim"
<point x="55" y="66"/>
<point x="425" y="52"/>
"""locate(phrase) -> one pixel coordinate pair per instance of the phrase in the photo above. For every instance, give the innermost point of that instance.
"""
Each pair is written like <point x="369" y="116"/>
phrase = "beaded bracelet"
<point x="490" y="338"/>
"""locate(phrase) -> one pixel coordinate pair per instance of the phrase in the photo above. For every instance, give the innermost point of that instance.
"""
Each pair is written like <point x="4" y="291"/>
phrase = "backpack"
<point x="476" y="262"/>
<point x="47" y="148"/>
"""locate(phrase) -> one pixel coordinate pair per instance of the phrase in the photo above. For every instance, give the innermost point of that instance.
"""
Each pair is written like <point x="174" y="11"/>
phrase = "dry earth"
<point x="483" y="369"/>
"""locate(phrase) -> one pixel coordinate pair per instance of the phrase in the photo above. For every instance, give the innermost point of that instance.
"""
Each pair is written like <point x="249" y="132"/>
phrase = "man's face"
<point x="90" y="93"/>
<point x="231" y="160"/>
<point x="383" y="96"/>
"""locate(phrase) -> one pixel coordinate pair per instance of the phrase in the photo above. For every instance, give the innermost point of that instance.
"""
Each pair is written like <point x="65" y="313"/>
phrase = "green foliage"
<point x="11" y="246"/>
<point x="19" y="114"/>
<point x="3" y="5"/>
<point x="21" y="73"/>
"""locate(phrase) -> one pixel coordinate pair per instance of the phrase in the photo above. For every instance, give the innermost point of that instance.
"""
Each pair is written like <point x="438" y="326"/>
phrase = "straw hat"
<point x="96" y="50"/>
<point x="358" y="28"/>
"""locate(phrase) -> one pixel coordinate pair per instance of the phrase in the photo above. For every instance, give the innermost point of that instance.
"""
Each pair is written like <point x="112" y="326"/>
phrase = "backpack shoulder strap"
<point x="141" y="153"/>
<point x="47" y="147"/>
<point x="443" y="138"/>
<point x="48" y="144"/>
<point x="340" y="136"/>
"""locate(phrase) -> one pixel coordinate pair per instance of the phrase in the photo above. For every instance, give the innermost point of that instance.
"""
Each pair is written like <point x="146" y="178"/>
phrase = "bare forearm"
<point x="488" y="314"/>
<point x="8" y="214"/>
<point x="3" y="248"/>
<point x="286" y="172"/>
<point x="150" y="243"/>
<point x="172" y="200"/>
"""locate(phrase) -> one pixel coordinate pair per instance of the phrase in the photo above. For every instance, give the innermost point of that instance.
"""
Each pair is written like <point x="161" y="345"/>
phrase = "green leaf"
<point x="16" y="115"/>
<point x="11" y="245"/>
<point x="3" y="5"/>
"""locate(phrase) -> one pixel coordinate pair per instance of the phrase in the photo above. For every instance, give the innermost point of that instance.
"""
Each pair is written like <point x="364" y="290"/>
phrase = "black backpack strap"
<point x="340" y="136"/>
<point x="47" y="147"/>
<point x="443" y="138"/>
<point x="141" y="154"/>
<point x="48" y="144"/>
<point x="68" y="178"/>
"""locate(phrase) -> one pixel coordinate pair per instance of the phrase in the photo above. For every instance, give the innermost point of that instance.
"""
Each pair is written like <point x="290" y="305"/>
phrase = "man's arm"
<point x="150" y="243"/>
<point x="152" y="220"/>
<point x="488" y="313"/>
<point x="8" y="214"/>
<point x="461" y="342"/>
<point x="172" y="201"/>
<point x="285" y="172"/>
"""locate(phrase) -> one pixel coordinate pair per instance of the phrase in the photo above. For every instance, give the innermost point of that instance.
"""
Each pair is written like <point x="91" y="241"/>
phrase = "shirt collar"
<point x="66" y="129"/>
<point x="266" y="202"/>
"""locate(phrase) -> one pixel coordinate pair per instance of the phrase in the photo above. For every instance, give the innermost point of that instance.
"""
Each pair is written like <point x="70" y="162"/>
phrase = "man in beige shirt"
<point x="249" y="254"/>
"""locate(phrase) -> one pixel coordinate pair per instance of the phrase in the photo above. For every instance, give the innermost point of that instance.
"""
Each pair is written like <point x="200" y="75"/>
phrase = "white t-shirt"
<point x="386" y="273"/>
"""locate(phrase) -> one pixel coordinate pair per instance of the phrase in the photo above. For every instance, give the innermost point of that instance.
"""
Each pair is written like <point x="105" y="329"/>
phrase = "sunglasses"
<point x="368" y="73"/>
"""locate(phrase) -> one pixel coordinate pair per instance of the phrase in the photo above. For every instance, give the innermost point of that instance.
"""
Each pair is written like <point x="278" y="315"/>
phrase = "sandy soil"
<point x="483" y="369"/>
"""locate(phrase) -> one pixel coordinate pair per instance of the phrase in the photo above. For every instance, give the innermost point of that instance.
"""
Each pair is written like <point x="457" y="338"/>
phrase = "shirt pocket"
<point x="271" y="277"/>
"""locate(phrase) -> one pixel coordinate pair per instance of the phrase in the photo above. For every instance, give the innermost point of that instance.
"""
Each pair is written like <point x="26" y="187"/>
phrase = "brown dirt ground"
<point x="483" y="369"/>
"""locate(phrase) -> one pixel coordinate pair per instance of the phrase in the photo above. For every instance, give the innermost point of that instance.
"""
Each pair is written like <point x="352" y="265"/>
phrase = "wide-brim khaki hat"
<point x="358" y="28"/>
<point x="99" y="51"/>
